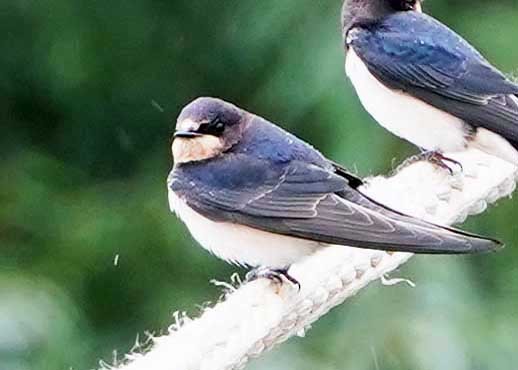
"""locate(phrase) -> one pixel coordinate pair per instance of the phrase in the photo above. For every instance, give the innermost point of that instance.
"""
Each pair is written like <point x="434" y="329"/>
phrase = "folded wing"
<point x="306" y="201"/>
<point x="414" y="53"/>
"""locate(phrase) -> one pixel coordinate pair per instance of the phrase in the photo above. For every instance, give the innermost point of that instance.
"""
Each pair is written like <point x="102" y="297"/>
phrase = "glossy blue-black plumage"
<point x="415" y="53"/>
<point x="270" y="142"/>
<point x="264" y="156"/>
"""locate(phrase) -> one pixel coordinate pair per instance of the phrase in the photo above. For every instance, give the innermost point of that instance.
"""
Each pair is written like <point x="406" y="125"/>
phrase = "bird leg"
<point x="434" y="157"/>
<point x="275" y="275"/>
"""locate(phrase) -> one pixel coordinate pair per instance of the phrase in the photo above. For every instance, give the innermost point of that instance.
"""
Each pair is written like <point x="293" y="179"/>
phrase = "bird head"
<point x="357" y="11"/>
<point x="206" y="128"/>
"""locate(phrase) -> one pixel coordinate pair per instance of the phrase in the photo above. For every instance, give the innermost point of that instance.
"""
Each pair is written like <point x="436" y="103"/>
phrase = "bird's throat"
<point x="196" y="149"/>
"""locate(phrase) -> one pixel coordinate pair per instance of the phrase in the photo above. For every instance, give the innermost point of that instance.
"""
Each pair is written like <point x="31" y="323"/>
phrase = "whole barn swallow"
<point x="425" y="83"/>
<point x="256" y="195"/>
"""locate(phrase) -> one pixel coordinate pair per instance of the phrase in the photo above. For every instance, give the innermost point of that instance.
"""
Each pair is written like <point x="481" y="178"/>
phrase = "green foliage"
<point x="85" y="155"/>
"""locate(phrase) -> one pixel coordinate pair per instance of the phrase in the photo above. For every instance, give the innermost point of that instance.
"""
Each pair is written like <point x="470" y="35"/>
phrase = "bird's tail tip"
<point x="483" y="245"/>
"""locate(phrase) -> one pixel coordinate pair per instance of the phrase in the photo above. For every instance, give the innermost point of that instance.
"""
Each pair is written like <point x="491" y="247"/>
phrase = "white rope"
<point x="258" y="316"/>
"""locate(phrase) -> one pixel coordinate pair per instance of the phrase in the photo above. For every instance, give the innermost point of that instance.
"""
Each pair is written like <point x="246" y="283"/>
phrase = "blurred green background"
<point x="90" y="256"/>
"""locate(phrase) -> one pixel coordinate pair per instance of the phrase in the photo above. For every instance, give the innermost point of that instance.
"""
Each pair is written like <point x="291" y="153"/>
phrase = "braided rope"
<point x="257" y="316"/>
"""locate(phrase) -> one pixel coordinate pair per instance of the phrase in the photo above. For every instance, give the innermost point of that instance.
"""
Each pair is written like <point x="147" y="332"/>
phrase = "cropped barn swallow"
<point x="255" y="195"/>
<point x="425" y="83"/>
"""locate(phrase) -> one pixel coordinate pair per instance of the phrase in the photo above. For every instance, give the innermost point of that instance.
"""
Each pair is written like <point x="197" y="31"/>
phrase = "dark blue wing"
<point x="415" y="53"/>
<point x="238" y="184"/>
<point x="304" y="200"/>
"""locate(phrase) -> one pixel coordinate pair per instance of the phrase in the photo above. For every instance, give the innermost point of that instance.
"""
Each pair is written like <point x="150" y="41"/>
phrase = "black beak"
<point x="186" y="134"/>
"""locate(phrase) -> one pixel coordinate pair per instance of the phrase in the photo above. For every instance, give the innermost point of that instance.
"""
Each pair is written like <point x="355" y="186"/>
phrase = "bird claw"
<point x="434" y="157"/>
<point x="275" y="275"/>
<point x="440" y="160"/>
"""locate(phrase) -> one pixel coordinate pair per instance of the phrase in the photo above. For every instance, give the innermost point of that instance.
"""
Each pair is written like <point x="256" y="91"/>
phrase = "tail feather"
<point x="453" y="241"/>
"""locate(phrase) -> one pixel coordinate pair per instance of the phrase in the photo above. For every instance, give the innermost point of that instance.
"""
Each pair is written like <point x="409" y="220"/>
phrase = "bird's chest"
<point x="404" y="115"/>
<point x="241" y="244"/>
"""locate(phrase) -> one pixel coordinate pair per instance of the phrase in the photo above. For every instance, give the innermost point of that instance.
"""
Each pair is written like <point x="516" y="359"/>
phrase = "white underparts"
<point x="405" y="116"/>
<point x="418" y="122"/>
<point x="241" y="244"/>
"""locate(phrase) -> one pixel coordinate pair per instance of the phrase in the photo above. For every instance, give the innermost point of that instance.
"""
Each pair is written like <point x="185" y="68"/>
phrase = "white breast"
<point x="407" y="117"/>
<point x="241" y="244"/>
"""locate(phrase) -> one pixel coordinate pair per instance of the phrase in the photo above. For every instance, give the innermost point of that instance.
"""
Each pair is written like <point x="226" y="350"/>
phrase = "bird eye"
<point x="409" y="4"/>
<point x="404" y="5"/>
<point x="214" y="127"/>
<point x="218" y="125"/>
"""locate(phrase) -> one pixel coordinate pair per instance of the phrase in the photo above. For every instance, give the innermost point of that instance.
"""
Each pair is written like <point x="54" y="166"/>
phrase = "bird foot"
<point x="434" y="157"/>
<point x="275" y="275"/>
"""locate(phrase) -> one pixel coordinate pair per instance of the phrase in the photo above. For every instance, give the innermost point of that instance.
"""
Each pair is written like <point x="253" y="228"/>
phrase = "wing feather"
<point x="431" y="62"/>
<point x="303" y="200"/>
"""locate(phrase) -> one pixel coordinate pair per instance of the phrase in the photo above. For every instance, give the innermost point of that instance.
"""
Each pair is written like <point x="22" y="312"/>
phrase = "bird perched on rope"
<point x="255" y="195"/>
<point x="425" y="83"/>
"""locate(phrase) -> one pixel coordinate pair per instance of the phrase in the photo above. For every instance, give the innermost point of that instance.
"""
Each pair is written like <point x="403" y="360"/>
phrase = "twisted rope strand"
<point x="260" y="315"/>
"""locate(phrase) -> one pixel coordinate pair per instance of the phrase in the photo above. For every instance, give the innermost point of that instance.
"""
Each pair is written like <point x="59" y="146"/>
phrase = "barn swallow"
<point x="425" y="83"/>
<point x="256" y="195"/>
